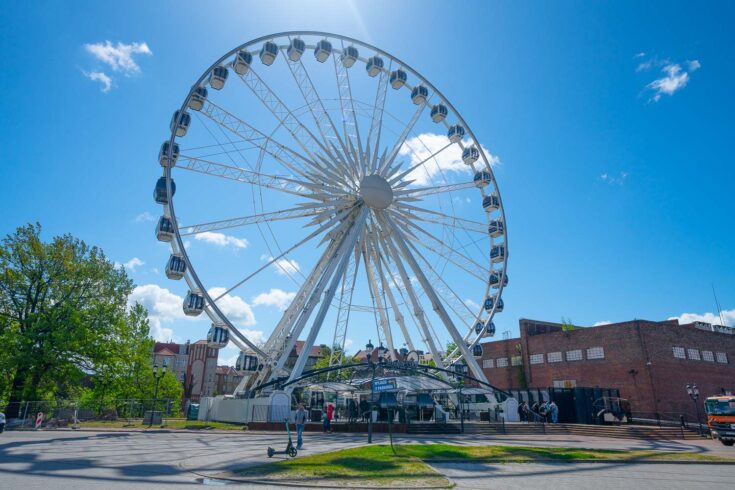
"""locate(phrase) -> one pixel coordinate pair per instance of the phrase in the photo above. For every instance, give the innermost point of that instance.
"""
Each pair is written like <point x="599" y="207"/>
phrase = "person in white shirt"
<point x="300" y="419"/>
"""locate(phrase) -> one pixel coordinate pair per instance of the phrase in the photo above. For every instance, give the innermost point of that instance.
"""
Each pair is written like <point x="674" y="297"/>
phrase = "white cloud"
<point x="675" y="80"/>
<point x="133" y="263"/>
<point x="222" y="240"/>
<point x="101" y="77"/>
<point x="727" y="315"/>
<point x="604" y="322"/>
<point x="348" y="344"/>
<point x="234" y="308"/>
<point x="449" y="160"/>
<point x="275" y="297"/>
<point x="144" y="216"/>
<point x="163" y="308"/>
<point x="283" y="266"/>
<point x="119" y="57"/>
<point x="694" y="65"/>
<point x="613" y="180"/>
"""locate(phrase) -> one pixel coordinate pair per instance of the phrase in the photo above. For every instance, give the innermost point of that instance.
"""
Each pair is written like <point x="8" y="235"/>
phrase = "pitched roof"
<point x="172" y="346"/>
<point x="316" y="350"/>
<point x="165" y="352"/>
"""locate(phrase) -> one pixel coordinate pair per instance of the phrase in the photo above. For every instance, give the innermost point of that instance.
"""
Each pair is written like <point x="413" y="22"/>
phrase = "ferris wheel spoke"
<point x="442" y="249"/>
<point x="403" y="175"/>
<point x="376" y="123"/>
<point x="285" y="214"/>
<point x="385" y="165"/>
<point x="398" y="239"/>
<point x="349" y="117"/>
<point x="284" y="155"/>
<point x="416" y="193"/>
<point x="344" y="309"/>
<point x="300" y="133"/>
<point x="376" y="294"/>
<point x="323" y="121"/>
<point x="415" y="212"/>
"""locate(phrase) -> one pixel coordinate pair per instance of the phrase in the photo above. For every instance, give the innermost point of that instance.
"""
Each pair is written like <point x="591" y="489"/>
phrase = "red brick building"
<point x="193" y="364"/>
<point x="649" y="362"/>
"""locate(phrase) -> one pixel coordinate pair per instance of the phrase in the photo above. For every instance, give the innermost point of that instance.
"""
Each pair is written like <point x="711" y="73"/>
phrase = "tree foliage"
<point x="65" y="322"/>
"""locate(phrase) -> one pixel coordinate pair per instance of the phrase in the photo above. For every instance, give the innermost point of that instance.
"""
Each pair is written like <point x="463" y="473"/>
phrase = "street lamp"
<point x="369" y="351"/>
<point x="693" y="393"/>
<point x="460" y="370"/>
<point x="157" y="375"/>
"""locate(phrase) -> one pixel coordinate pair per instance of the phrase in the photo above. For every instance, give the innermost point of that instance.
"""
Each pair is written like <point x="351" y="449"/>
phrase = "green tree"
<point x="63" y="318"/>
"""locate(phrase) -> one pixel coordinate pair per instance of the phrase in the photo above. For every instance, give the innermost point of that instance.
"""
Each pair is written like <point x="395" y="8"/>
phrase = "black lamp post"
<point x="460" y="369"/>
<point x="157" y="375"/>
<point x="369" y="351"/>
<point x="693" y="393"/>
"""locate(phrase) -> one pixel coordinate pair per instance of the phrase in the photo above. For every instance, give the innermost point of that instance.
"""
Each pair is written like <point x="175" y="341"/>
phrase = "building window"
<point x="565" y="383"/>
<point x="515" y="360"/>
<point x="553" y="357"/>
<point x="708" y="355"/>
<point x="679" y="353"/>
<point x="596" y="353"/>
<point x="574" y="355"/>
<point x="502" y="362"/>
<point x="537" y="358"/>
<point x="721" y="357"/>
<point x="693" y="354"/>
<point x="488" y="364"/>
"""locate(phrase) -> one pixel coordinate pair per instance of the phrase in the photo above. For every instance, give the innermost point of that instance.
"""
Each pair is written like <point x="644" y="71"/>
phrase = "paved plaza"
<point x="116" y="460"/>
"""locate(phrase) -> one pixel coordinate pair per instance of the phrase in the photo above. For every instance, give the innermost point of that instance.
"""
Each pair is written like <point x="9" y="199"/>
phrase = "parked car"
<point x="2" y="422"/>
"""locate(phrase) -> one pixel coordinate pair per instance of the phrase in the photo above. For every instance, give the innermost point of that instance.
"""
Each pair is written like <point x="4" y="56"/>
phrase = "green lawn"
<point x="378" y="466"/>
<point x="174" y="424"/>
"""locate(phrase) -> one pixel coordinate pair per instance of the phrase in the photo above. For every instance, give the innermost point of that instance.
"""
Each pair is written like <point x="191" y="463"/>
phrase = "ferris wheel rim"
<point x="191" y="275"/>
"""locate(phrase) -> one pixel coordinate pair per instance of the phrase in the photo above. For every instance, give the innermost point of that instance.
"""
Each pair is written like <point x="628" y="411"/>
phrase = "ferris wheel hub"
<point x="376" y="192"/>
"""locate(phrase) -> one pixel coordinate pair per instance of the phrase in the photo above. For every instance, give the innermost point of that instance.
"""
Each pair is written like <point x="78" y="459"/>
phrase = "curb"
<point x="585" y="461"/>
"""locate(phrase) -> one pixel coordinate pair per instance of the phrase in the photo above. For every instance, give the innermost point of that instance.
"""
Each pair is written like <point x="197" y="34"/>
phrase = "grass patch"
<point x="378" y="466"/>
<point x="172" y="424"/>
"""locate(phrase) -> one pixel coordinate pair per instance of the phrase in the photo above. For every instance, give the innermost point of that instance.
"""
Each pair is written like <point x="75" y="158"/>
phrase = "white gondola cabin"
<point x="246" y="362"/>
<point x="455" y="133"/>
<point x="489" y="328"/>
<point x="218" y="336"/>
<point x="419" y="94"/>
<point x="490" y="302"/>
<point x="295" y="49"/>
<point x="497" y="253"/>
<point x="479" y="328"/>
<point x="163" y="157"/>
<point x="439" y="113"/>
<point x="494" y="280"/>
<point x="175" y="267"/>
<point x="470" y="155"/>
<point x="323" y="50"/>
<point x="491" y="202"/>
<point x="268" y="53"/>
<point x="496" y="228"/>
<point x="180" y="122"/>
<point x="164" y="229"/>
<point x="374" y="66"/>
<point x="398" y="79"/>
<point x="193" y="304"/>
<point x="218" y="77"/>
<point x="482" y="179"/>
<point x="159" y="192"/>
<point x="349" y="56"/>
<point x="477" y="350"/>
<point x="242" y="62"/>
<point x="196" y="102"/>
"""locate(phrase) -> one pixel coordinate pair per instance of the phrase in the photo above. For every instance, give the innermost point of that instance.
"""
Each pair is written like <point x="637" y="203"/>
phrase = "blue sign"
<point x="388" y="384"/>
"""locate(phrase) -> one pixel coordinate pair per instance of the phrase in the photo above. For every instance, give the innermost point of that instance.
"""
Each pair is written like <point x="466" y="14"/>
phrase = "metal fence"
<point x="69" y="413"/>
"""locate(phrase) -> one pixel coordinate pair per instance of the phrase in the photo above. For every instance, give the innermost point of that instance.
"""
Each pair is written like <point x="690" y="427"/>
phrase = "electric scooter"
<point x="290" y="448"/>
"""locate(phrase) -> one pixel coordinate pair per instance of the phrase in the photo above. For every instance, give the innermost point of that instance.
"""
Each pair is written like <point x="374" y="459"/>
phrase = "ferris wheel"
<point x="351" y="188"/>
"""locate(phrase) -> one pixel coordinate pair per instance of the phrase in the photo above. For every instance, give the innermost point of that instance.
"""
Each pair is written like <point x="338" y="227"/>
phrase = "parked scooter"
<point x="290" y="448"/>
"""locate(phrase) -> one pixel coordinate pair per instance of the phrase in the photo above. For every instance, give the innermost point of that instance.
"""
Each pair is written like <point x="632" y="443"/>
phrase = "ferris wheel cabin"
<point x="163" y="157"/>
<point x="268" y="53"/>
<point x="496" y="228"/>
<point x="470" y="155"/>
<point x="490" y="302"/>
<point x="349" y="56"/>
<point x="246" y="362"/>
<point x="164" y="229"/>
<point x="374" y="66"/>
<point x="477" y="350"/>
<point x="218" y="77"/>
<point x="193" y="304"/>
<point x="494" y="280"/>
<point x="323" y="50"/>
<point x="398" y="79"/>
<point x="419" y="94"/>
<point x="439" y="113"/>
<point x="242" y="62"/>
<point x="180" y="122"/>
<point x="497" y="253"/>
<point x="217" y="337"/>
<point x="196" y="102"/>
<point x="175" y="267"/>
<point x="491" y="202"/>
<point x="482" y="179"/>
<point x="295" y="49"/>
<point x="455" y="133"/>
<point x="159" y="192"/>
<point x="489" y="328"/>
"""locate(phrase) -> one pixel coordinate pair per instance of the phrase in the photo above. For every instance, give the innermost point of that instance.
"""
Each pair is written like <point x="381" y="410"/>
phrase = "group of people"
<point x="546" y="411"/>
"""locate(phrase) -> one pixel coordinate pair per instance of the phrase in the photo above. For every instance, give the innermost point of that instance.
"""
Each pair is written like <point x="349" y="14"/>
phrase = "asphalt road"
<point x="122" y="460"/>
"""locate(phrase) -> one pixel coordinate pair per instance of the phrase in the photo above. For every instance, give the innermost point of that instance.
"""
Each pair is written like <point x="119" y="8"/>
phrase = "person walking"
<point x="521" y="414"/>
<point x="554" y="409"/>
<point x="330" y="416"/>
<point x="300" y="420"/>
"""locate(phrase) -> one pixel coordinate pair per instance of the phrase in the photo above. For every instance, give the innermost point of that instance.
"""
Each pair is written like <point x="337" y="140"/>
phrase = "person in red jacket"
<point x="330" y="415"/>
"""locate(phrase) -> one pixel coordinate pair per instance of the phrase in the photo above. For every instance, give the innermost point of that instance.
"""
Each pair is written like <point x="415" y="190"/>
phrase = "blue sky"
<point x="612" y="122"/>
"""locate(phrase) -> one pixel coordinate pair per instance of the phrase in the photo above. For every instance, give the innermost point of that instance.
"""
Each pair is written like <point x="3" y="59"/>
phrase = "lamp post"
<point x="157" y="375"/>
<point x="369" y="351"/>
<point x="460" y="369"/>
<point x="693" y="393"/>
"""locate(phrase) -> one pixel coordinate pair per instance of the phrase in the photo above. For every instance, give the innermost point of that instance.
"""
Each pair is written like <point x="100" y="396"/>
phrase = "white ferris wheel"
<point x="354" y="183"/>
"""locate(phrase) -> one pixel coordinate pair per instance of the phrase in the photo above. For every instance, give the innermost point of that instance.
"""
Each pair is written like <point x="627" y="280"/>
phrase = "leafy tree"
<point x="64" y="318"/>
